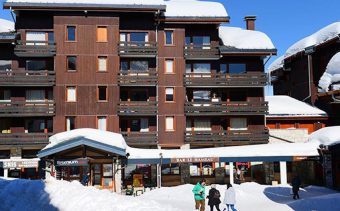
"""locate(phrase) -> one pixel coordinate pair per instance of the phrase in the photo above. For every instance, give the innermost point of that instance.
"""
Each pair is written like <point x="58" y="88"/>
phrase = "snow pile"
<point x="105" y="137"/>
<point x="6" y="26"/>
<point x="194" y="8"/>
<point x="244" y="39"/>
<point x="106" y="2"/>
<point x="277" y="64"/>
<point x="282" y="105"/>
<point x="331" y="75"/>
<point x="327" y="136"/>
<point x="329" y="32"/>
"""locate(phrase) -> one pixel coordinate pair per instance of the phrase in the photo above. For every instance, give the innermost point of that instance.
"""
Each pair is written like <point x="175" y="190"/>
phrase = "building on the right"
<point x="309" y="71"/>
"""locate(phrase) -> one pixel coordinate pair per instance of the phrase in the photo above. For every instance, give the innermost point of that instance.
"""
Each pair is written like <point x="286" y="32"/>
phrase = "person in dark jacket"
<point x="296" y="182"/>
<point x="214" y="198"/>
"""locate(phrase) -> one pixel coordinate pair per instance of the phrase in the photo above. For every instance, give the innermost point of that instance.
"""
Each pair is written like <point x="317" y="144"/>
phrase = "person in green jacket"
<point x="199" y="195"/>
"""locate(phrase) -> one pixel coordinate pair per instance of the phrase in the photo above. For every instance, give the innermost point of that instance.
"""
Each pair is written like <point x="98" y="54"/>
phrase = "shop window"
<point x="71" y="63"/>
<point x="71" y="94"/>
<point x="169" y="94"/>
<point x="101" y="34"/>
<point x="107" y="175"/>
<point x="70" y="123"/>
<point x="169" y="66"/>
<point x="195" y="169"/>
<point x="170" y="169"/>
<point x="71" y="33"/>
<point x="102" y="63"/>
<point x="169" y="123"/>
<point x="102" y="93"/>
<point x="169" y="38"/>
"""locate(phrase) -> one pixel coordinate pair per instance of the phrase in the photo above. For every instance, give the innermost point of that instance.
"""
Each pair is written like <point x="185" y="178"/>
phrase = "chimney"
<point x="250" y="21"/>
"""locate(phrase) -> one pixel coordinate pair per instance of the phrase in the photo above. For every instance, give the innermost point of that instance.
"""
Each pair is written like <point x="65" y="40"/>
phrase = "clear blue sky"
<point x="284" y="21"/>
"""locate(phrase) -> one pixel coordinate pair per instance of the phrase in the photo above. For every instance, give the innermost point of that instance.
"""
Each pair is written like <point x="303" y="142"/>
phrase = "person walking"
<point x="296" y="182"/>
<point x="199" y="195"/>
<point x="214" y="198"/>
<point x="230" y="197"/>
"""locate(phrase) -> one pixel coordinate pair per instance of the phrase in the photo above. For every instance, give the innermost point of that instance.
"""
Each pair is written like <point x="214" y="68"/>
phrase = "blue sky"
<point x="284" y="21"/>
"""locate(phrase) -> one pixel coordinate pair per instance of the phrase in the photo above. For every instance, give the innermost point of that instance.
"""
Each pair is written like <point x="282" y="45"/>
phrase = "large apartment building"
<point x="165" y="74"/>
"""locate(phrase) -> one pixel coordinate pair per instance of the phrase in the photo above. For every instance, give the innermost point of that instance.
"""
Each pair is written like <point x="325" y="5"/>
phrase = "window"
<point x="201" y="96"/>
<point x="101" y="34"/>
<point x="223" y="68"/>
<point x="238" y="124"/>
<point x="102" y="63"/>
<point x="169" y="66"/>
<point x="5" y="64"/>
<point x="202" y="68"/>
<point x="71" y="33"/>
<point x="71" y="63"/>
<point x="35" y="95"/>
<point x="71" y="94"/>
<point x="36" y="38"/>
<point x="237" y="68"/>
<point x="70" y="123"/>
<point x="102" y="93"/>
<point x="169" y="94"/>
<point x="102" y="123"/>
<point x="139" y="37"/>
<point x="5" y="95"/>
<point x="202" y="125"/>
<point x="170" y="169"/>
<point x="169" y="123"/>
<point x="139" y="65"/>
<point x="169" y="38"/>
<point x="36" y="65"/>
<point x="202" y="42"/>
<point x="5" y="154"/>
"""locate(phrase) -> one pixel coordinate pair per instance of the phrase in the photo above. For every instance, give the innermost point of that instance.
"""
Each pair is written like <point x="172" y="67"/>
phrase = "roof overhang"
<point x="79" y="142"/>
<point x="194" y="20"/>
<point x="227" y="50"/>
<point x="299" y="117"/>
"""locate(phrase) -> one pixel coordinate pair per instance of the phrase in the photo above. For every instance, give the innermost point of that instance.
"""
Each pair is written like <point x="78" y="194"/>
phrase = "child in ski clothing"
<point x="229" y="197"/>
<point x="214" y="198"/>
<point x="199" y="195"/>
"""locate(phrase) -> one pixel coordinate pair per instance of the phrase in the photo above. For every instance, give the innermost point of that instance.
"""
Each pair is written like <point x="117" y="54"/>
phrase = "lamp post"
<point x="159" y="171"/>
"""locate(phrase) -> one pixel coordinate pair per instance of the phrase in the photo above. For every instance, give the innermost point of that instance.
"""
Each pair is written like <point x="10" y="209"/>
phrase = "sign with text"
<point x="19" y="164"/>
<point x="195" y="160"/>
<point x="77" y="162"/>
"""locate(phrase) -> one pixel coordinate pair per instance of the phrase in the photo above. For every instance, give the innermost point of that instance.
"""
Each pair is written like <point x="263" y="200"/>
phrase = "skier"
<point x="229" y="197"/>
<point x="296" y="182"/>
<point x="199" y="195"/>
<point x="214" y="198"/>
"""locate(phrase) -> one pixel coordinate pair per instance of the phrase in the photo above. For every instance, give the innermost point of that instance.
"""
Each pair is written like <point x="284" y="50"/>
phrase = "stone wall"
<point x="284" y="135"/>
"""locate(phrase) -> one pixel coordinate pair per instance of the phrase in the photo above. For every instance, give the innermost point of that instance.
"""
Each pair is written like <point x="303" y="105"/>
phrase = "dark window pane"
<point x="72" y="123"/>
<point x="223" y="68"/>
<point x="71" y="63"/>
<point x="71" y="33"/>
<point x="201" y="96"/>
<point x="35" y="65"/>
<point x="50" y="37"/>
<point x="237" y="68"/>
<point x="139" y="65"/>
<point x="135" y="125"/>
<point x="187" y="40"/>
<point x="201" y="40"/>
<point x="168" y="37"/>
<point x="5" y="154"/>
<point x="102" y="92"/>
<point x="139" y="37"/>
<point x="124" y="67"/>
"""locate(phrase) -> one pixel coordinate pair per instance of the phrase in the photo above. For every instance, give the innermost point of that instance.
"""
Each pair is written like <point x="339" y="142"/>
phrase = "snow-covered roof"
<point x="283" y="106"/>
<point x="244" y="39"/>
<point x="331" y="75"/>
<point x="6" y="25"/>
<point x="327" y="136"/>
<point x="276" y="64"/>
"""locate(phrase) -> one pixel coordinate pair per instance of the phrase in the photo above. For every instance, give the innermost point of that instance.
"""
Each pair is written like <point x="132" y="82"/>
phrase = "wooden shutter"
<point x="102" y="34"/>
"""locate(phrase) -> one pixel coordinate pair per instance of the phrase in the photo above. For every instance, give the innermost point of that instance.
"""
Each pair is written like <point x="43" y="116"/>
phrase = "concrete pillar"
<point x="283" y="173"/>
<point x="5" y="173"/>
<point x="159" y="176"/>
<point x="231" y="172"/>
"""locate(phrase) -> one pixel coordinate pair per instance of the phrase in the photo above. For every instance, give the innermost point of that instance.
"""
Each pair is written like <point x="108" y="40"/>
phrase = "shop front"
<point x="20" y="168"/>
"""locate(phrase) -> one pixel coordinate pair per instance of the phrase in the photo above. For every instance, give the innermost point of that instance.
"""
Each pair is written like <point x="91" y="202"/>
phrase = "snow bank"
<point x="282" y="105"/>
<point x="244" y="39"/>
<point x="276" y="64"/>
<point x="331" y="75"/>
<point x="105" y="137"/>
<point x="6" y="26"/>
<point x="327" y="136"/>
<point x="329" y="32"/>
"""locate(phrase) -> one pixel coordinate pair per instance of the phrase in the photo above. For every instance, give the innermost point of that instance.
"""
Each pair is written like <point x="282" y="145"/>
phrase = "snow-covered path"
<point x="62" y="195"/>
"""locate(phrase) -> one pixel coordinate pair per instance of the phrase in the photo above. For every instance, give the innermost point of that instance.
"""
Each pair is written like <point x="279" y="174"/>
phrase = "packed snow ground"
<point x="62" y="195"/>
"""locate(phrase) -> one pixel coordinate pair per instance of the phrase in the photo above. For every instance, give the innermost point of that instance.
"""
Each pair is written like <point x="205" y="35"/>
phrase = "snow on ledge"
<point x="276" y="64"/>
<point x="331" y="75"/>
<point x="6" y="26"/>
<point x="107" y="2"/>
<point x="327" y="136"/>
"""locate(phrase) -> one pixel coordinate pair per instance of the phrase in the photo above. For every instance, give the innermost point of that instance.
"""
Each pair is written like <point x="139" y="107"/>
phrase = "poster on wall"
<point x="194" y="171"/>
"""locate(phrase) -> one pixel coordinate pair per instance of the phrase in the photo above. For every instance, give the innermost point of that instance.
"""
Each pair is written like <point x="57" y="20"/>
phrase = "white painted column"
<point x="5" y="173"/>
<point x="283" y="173"/>
<point x="231" y="172"/>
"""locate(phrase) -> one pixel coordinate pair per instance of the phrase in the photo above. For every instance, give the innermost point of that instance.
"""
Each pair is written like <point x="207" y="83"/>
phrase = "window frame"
<point x="107" y="63"/>
<point x="172" y="37"/>
<point x="173" y="65"/>
<point x="173" y="95"/>
<point x="74" y="119"/>
<point x="75" y="33"/>
<point x="76" y="94"/>
<point x="107" y="32"/>
<point x="173" y="124"/>
<point x="106" y="93"/>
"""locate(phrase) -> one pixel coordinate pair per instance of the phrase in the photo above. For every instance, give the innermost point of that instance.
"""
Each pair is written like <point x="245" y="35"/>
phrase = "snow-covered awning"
<point x="331" y="75"/>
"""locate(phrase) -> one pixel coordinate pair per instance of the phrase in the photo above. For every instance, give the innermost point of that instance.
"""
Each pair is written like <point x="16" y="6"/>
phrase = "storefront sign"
<point x="78" y="162"/>
<point x="19" y="164"/>
<point x="195" y="160"/>
<point x="306" y="158"/>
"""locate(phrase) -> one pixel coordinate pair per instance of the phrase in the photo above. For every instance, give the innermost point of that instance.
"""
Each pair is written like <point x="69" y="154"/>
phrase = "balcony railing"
<point x="17" y="109"/>
<point x="224" y="137"/>
<point x="137" y="49"/>
<point x="141" y="138"/>
<point x="201" y="52"/>
<point x="35" y="49"/>
<point x="249" y="79"/>
<point x="27" y="78"/>
<point x="225" y="108"/>
<point x="137" y="108"/>
<point x="138" y="78"/>
<point x="24" y="139"/>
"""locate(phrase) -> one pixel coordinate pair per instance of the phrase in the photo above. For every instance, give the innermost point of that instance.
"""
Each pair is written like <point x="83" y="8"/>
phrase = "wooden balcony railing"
<point x="230" y="137"/>
<point x="11" y="109"/>
<point x="199" y="52"/>
<point x="27" y="78"/>
<point x="137" y="49"/>
<point x="226" y="108"/>
<point x="35" y="49"/>
<point x="138" y="78"/>
<point x="249" y="79"/>
<point x="24" y="139"/>
<point x="141" y="138"/>
<point x="137" y="108"/>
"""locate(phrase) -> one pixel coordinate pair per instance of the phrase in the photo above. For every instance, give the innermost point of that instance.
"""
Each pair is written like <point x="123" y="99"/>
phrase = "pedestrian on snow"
<point x="229" y="197"/>
<point x="296" y="182"/>
<point x="199" y="195"/>
<point x="85" y="180"/>
<point x="214" y="198"/>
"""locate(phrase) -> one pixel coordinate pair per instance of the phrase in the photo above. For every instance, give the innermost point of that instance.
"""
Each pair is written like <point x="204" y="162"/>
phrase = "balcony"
<point x="137" y="49"/>
<point x="138" y="78"/>
<point x="225" y="108"/>
<point x="249" y="79"/>
<point x="24" y="139"/>
<point x="26" y="109"/>
<point x="227" y="137"/>
<point x="201" y="52"/>
<point x="27" y="78"/>
<point x="137" y="108"/>
<point x="141" y="138"/>
<point x="35" y="49"/>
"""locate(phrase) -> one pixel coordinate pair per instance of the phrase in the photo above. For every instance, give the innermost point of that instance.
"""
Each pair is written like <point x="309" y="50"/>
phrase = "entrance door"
<point x="102" y="175"/>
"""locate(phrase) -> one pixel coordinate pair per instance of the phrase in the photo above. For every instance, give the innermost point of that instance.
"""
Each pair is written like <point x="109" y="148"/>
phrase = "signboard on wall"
<point x="19" y="164"/>
<point x="76" y="162"/>
<point x="195" y="160"/>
